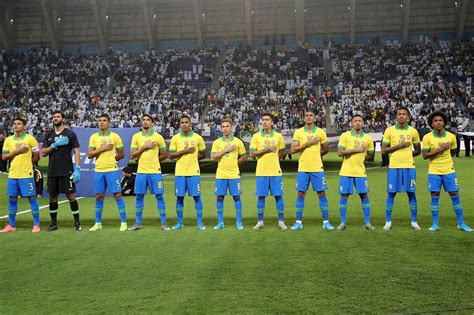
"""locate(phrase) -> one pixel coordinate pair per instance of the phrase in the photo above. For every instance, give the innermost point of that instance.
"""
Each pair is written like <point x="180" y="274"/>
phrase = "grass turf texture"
<point x="247" y="271"/>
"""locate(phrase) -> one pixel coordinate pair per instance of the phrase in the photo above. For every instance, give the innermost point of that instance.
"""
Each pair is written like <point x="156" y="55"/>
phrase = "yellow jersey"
<point x="187" y="164"/>
<point x="393" y="136"/>
<point x="310" y="158"/>
<point x="228" y="166"/>
<point x="106" y="161"/>
<point x="441" y="164"/>
<point x="353" y="165"/>
<point x="269" y="163"/>
<point x="21" y="165"/>
<point x="149" y="162"/>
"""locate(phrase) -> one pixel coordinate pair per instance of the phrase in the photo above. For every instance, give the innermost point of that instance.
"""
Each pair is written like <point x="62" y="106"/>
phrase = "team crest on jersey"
<point x="192" y="143"/>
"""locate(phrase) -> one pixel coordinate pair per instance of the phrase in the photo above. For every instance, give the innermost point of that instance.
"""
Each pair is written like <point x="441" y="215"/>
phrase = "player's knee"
<point x="301" y="194"/>
<point x="53" y="198"/>
<point x="236" y="198"/>
<point x="220" y="199"/>
<point x="99" y="197"/>
<point x="140" y="197"/>
<point x="436" y="194"/>
<point x="453" y="193"/>
<point x="13" y="199"/>
<point x="362" y="196"/>
<point x="321" y="194"/>
<point x="345" y="196"/>
<point x="70" y="197"/>
<point x="117" y="196"/>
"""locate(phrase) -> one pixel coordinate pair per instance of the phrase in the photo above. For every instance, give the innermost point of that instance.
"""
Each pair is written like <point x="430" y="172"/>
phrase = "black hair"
<point x="357" y="115"/>
<point x="151" y="118"/>
<point x="57" y="111"/>
<point x="105" y="116"/>
<point x="404" y="108"/>
<point x="437" y="114"/>
<point x="127" y="170"/>
<point x="185" y="116"/>
<point x="268" y="115"/>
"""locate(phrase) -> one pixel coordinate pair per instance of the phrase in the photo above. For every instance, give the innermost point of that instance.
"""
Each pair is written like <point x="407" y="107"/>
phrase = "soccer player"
<point x="268" y="146"/>
<point x="355" y="147"/>
<point x="311" y="142"/>
<point x="107" y="148"/>
<point x="438" y="147"/>
<point x="230" y="153"/>
<point x="149" y="148"/>
<point x="398" y="141"/>
<point x="22" y="151"/>
<point x="187" y="147"/>
<point x="62" y="174"/>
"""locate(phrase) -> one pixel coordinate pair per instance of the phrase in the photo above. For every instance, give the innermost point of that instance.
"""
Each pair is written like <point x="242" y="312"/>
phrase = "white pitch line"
<point x="42" y="207"/>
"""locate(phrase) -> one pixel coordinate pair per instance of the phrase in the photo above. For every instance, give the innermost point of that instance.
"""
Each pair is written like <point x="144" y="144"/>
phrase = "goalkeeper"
<point x="62" y="174"/>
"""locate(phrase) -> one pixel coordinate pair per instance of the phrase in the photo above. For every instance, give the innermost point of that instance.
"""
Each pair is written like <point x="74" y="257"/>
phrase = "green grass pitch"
<point x="267" y="271"/>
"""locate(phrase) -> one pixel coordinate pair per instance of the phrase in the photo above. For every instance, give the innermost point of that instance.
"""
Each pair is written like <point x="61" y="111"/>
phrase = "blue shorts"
<point x="233" y="184"/>
<point x="317" y="180"/>
<point x="448" y="181"/>
<point x="191" y="184"/>
<point x="346" y="185"/>
<point x="152" y="181"/>
<point x="24" y="187"/>
<point x="401" y="180"/>
<point x="274" y="184"/>
<point x="104" y="180"/>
